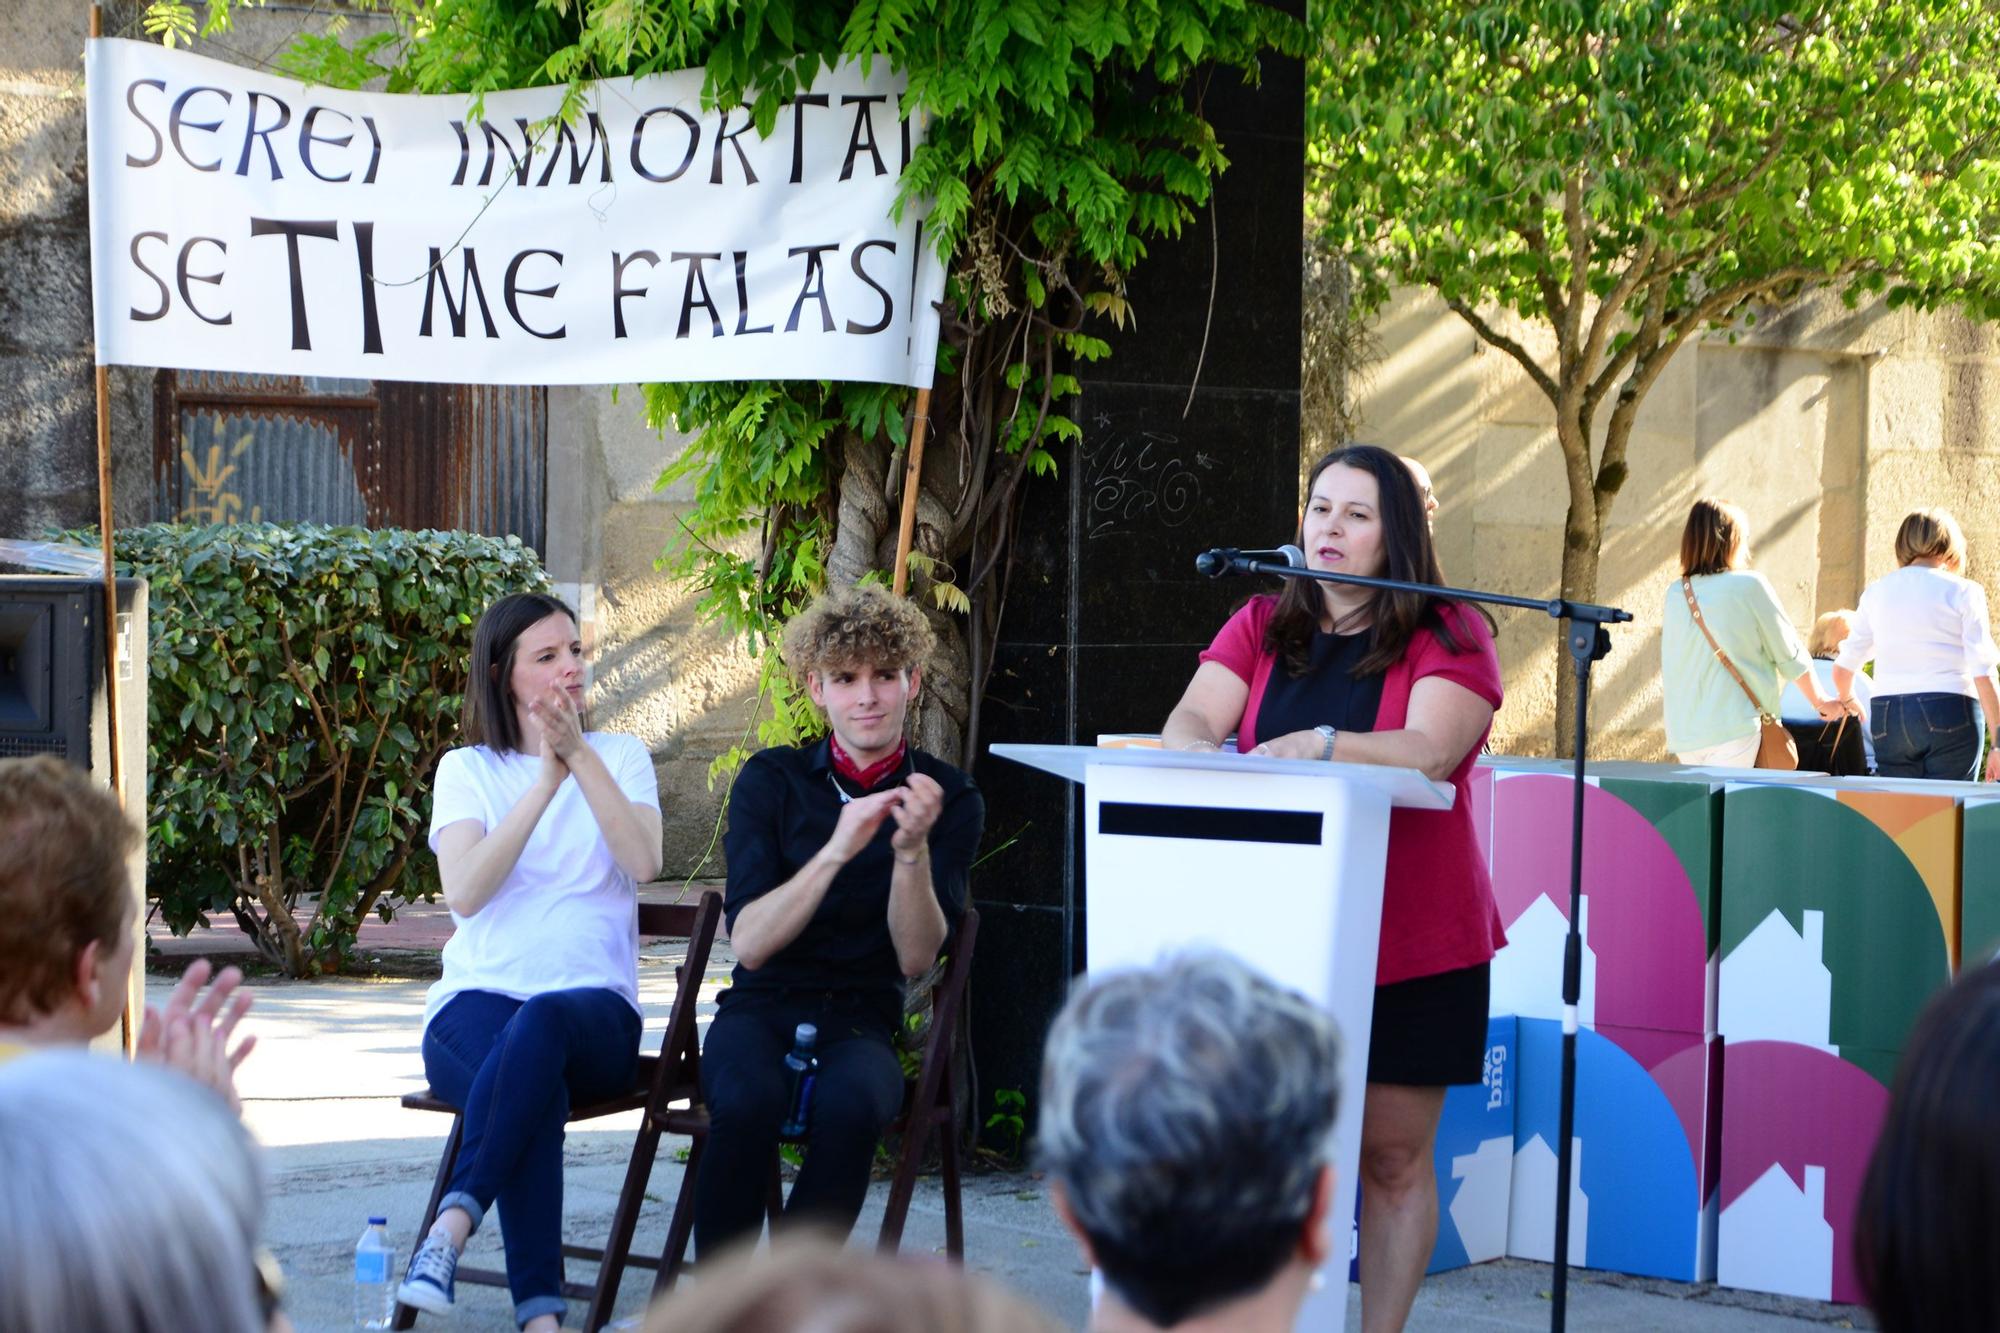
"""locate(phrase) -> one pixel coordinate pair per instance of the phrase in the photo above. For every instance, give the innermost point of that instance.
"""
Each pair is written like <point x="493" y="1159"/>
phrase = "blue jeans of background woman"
<point x="1927" y="736"/>
<point x="515" y="1067"/>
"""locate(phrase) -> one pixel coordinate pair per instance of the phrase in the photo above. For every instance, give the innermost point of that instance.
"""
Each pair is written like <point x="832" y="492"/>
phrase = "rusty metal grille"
<point x="293" y="449"/>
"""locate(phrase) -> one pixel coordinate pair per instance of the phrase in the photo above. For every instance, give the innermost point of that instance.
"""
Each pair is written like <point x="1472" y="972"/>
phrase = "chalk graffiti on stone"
<point x="1129" y="478"/>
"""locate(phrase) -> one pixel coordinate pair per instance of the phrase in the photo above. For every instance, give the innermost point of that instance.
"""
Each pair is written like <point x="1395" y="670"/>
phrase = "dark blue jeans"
<point x="515" y="1067"/>
<point x="1927" y="736"/>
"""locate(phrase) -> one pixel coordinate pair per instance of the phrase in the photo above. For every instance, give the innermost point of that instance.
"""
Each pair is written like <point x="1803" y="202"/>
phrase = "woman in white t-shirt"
<point x="1925" y="627"/>
<point x="542" y="831"/>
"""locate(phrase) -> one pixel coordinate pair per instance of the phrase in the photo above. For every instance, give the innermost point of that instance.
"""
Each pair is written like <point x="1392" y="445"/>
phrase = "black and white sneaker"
<point x="433" y="1270"/>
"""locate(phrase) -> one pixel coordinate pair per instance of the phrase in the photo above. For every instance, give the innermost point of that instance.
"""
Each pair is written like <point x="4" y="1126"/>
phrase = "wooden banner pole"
<point x="913" y="476"/>
<point x="114" y="738"/>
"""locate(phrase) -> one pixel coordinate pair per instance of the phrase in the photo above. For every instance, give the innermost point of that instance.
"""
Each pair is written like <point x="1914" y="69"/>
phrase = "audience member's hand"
<point x="1832" y="710"/>
<point x="918" y="809"/>
<point x="192" y="1033"/>
<point x="1993" y="764"/>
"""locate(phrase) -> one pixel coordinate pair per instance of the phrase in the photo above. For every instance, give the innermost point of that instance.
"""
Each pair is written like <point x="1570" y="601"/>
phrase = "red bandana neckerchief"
<point x="866" y="778"/>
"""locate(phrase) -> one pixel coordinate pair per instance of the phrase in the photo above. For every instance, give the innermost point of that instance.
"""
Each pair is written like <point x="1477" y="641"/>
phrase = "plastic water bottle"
<point x="804" y="1064"/>
<point x="374" y="1276"/>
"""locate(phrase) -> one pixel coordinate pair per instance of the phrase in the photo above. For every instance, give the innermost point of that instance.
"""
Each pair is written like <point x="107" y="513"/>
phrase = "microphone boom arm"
<point x="1556" y="608"/>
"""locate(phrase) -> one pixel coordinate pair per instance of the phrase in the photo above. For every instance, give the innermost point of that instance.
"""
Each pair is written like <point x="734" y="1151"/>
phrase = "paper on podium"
<point x="1404" y="787"/>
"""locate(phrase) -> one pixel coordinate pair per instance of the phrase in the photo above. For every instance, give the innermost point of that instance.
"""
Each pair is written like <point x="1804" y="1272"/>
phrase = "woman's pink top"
<point x="1438" y="912"/>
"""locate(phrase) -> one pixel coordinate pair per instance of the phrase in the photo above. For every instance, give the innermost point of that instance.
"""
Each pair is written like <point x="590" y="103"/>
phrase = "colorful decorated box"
<point x="1475" y="1160"/>
<point x="1641" y="1196"/>
<point x="1839" y="921"/>
<point x="1646" y="1057"/>
<point x="1839" y="915"/>
<point x="1979" y="900"/>
<point x="1648" y="896"/>
<point x="1798" y="1125"/>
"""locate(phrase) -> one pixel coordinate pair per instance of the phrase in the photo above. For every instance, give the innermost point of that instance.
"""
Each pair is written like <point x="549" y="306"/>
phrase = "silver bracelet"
<point x="914" y="860"/>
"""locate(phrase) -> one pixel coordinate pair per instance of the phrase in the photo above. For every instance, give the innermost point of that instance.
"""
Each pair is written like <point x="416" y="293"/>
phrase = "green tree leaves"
<point x="1628" y="173"/>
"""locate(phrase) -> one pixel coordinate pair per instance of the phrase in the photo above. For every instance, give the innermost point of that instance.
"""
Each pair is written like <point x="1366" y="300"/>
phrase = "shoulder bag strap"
<point x="1694" y="609"/>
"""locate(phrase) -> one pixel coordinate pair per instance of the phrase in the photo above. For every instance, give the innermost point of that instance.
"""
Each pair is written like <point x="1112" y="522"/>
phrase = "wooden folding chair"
<point x="662" y="1079"/>
<point x="930" y="1104"/>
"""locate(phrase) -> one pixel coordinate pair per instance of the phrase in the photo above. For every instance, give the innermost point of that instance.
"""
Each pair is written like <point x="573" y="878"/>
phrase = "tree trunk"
<point x="1581" y="554"/>
<point x="864" y="520"/>
<point x="864" y="540"/>
<point x="1583" y="536"/>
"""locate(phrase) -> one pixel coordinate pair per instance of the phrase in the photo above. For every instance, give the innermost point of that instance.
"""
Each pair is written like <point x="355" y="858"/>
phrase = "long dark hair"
<point x="489" y="718"/>
<point x="1393" y="616"/>
<point x="1715" y="533"/>
<point x="1927" y="1227"/>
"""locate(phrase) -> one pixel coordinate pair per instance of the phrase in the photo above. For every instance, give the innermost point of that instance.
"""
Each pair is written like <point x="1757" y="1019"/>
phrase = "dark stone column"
<point x="1190" y="439"/>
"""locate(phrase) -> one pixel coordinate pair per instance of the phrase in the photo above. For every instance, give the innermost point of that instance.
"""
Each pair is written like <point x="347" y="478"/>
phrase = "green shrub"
<point x="305" y="680"/>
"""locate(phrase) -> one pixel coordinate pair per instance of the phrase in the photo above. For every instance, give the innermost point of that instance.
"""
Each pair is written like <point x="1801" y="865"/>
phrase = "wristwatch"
<point x="1326" y="733"/>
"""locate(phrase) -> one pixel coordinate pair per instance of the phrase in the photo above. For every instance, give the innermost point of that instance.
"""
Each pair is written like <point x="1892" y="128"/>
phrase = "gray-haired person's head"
<point x="1187" y="1112"/>
<point x="130" y="1200"/>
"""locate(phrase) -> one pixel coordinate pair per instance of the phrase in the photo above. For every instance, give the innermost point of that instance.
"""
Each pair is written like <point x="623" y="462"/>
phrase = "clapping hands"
<point x="192" y="1033"/>
<point x="554" y="716"/>
<point x="914" y="807"/>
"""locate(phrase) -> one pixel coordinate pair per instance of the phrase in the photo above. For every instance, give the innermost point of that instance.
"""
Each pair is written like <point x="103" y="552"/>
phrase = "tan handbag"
<point x="1775" y="747"/>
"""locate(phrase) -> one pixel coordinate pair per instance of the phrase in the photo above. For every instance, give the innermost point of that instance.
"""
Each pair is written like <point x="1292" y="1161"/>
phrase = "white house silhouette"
<point x="1479" y="1209"/>
<point x="1531" y="1211"/>
<point x="1527" y="972"/>
<point x="1775" y="1237"/>
<point x="1775" y="988"/>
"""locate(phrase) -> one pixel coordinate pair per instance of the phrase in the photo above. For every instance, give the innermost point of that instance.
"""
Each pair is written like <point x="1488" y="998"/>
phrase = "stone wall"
<point x="687" y="690"/>
<point x="48" y="415"/>
<point x="1826" y="424"/>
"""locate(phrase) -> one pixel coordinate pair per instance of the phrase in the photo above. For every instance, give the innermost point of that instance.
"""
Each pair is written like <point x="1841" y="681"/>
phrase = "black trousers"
<point x="747" y="1086"/>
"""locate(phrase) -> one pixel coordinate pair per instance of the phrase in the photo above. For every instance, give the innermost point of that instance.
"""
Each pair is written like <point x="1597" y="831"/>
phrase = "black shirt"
<point x="1329" y="692"/>
<point x="782" y="811"/>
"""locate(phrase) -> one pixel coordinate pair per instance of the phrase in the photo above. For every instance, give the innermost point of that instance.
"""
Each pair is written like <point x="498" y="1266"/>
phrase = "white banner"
<point x="244" y="222"/>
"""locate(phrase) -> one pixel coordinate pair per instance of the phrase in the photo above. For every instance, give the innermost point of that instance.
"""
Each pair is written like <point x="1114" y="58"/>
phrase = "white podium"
<point x="1278" y="861"/>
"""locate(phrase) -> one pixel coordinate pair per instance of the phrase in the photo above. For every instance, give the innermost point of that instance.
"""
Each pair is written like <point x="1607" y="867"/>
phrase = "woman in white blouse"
<point x="1926" y="629"/>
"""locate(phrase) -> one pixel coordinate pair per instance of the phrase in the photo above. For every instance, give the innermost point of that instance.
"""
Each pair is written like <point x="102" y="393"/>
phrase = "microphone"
<point x="1229" y="560"/>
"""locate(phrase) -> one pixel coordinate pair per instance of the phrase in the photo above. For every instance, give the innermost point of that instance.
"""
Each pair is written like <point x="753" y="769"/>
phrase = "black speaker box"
<point x="52" y="696"/>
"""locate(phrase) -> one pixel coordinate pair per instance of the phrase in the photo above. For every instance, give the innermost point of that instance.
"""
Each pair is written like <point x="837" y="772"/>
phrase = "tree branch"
<point x="1579" y="265"/>
<point x="1613" y="304"/>
<point x="1727" y="188"/>
<point x="1537" y="242"/>
<point x="1507" y="345"/>
<point x="1607" y="377"/>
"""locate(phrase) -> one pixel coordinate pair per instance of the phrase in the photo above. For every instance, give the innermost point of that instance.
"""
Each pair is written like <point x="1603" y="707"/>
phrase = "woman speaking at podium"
<point x="1336" y="672"/>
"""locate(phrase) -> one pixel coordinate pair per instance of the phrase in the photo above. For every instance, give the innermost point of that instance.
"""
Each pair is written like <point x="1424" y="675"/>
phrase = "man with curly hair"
<point x="847" y="862"/>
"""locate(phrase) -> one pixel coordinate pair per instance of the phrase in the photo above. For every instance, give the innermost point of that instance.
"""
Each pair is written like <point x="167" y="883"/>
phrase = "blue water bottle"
<point x="804" y="1065"/>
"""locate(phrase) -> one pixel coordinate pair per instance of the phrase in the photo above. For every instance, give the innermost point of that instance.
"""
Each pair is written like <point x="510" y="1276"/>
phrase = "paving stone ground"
<point x="334" y="1056"/>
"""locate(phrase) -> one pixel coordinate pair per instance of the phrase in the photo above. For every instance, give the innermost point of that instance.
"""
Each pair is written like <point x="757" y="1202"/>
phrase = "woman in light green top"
<point x="1710" y="720"/>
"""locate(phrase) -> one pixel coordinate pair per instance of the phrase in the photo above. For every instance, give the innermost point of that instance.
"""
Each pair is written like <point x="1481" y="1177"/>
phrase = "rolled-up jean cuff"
<point x="537" y="1306"/>
<point x="471" y="1206"/>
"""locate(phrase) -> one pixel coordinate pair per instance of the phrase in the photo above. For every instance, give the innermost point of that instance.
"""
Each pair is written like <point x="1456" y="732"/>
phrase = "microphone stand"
<point x="1588" y="641"/>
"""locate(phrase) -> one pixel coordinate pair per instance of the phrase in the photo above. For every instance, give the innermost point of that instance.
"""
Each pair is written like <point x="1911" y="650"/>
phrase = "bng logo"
<point x="1493" y="1077"/>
